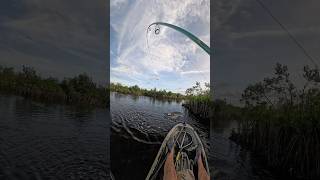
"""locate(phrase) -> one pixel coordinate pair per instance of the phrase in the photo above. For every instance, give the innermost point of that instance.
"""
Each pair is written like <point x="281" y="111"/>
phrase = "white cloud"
<point x="275" y="32"/>
<point x="193" y="72"/>
<point x="170" y="51"/>
<point x="224" y="10"/>
<point x="117" y="3"/>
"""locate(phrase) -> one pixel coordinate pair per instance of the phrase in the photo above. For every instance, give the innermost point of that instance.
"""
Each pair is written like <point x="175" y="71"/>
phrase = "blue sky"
<point x="172" y="61"/>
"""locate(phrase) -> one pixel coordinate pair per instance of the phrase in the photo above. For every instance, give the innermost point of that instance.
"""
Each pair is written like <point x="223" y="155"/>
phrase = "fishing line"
<point x="290" y="35"/>
<point x="148" y="52"/>
<point x="304" y="51"/>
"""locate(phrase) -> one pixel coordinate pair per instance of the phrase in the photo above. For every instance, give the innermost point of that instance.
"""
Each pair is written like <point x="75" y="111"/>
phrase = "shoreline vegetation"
<point x="138" y="91"/>
<point x="280" y="122"/>
<point x="198" y="102"/>
<point x="78" y="91"/>
<point x="196" y="98"/>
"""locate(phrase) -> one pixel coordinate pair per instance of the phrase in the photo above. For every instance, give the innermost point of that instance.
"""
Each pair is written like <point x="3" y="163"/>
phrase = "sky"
<point x="248" y="42"/>
<point x="59" y="38"/>
<point x="169" y="60"/>
<point x="64" y="38"/>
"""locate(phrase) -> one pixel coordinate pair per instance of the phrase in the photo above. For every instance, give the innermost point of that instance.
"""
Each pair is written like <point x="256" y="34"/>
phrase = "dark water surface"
<point x="139" y="125"/>
<point x="229" y="160"/>
<point x="51" y="141"/>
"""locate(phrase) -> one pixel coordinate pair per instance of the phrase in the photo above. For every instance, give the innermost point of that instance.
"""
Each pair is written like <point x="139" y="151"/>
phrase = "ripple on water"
<point x="139" y="126"/>
<point x="52" y="142"/>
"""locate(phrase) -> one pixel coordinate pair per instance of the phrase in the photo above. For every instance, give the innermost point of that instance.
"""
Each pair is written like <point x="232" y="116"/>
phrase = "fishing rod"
<point x="195" y="39"/>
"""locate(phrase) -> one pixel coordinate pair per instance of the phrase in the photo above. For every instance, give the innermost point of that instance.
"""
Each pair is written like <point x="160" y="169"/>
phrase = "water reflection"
<point x="39" y="141"/>
<point x="229" y="160"/>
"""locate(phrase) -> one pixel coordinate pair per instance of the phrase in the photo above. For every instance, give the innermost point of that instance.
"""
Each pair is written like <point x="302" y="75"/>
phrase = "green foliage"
<point x="197" y="90"/>
<point x="224" y="111"/>
<point x="198" y="101"/>
<point x="136" y="90"/>
<point x="79" y="90"/>
<point x="281" y="122"/>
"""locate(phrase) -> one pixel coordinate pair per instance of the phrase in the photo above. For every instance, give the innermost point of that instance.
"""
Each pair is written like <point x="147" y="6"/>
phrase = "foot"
<point x="198" y="155"/>
<point x="170" y="144"/>
<point x="202" y="172"/>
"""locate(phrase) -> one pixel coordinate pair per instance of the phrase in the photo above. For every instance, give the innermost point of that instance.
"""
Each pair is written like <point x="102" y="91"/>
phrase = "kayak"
<point x="187" y="143"/>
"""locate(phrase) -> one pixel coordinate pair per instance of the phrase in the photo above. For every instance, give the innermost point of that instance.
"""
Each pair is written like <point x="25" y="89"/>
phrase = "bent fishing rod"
<point x="205" y="47"/>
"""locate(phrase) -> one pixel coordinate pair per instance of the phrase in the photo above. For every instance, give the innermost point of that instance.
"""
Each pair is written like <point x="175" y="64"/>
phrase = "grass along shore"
<point x="198" y="102"/>
<point x="281" y="123"/>
<point x="136" y="90"/>
<point x="78" y="91"/>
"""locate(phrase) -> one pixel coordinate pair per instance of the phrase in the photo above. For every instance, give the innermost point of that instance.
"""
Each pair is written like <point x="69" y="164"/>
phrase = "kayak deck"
<point x="187" y="143"/>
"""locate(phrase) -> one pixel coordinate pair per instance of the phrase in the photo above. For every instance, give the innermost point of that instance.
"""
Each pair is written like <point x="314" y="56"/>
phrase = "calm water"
<point x="229" y="160"/>
<point x="52" y="142"/>
<point x="139" y="125"/>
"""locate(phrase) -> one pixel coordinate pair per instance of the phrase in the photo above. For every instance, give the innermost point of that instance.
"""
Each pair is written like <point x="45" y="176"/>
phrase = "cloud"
<point x="167" y="53"/>
<point x="275" y="33"/>
<point x="117" y="3"/>
<point x="248" y="42"/>
<point x="193" y="72"/>
<point x="64" y="35"/>
<point x="223" y="11"/>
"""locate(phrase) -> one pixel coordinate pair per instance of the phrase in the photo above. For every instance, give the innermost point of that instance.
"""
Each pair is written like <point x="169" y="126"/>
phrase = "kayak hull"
<point x="186" y="142"/>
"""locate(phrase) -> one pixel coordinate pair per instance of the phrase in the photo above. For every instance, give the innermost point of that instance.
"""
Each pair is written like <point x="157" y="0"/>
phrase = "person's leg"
<point x="202" y="173"/>
<point x="169" y="168"/>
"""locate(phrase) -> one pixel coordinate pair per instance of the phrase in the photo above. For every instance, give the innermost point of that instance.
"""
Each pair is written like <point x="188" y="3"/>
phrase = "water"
<point x="229" y="160"/>
<point x="52" y="141"/>
<point x="40" y="141"/>
<point x="139" y="125"/>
